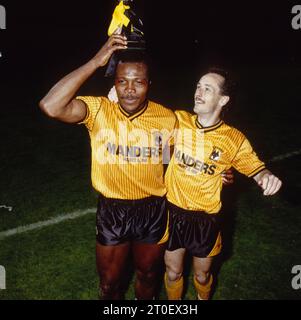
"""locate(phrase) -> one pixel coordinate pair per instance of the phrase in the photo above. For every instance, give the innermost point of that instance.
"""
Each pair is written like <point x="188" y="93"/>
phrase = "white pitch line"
<point x="46" y="223"/>
<point x="80" y="213"/>
<point x="286" y="155"/>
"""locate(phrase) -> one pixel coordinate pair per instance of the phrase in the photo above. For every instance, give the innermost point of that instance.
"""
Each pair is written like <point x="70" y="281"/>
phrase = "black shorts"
<point x="120" y="221"/>
<point x="196" y="231"/>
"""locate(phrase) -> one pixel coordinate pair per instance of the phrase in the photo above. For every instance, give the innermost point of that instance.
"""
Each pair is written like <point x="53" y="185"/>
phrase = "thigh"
<point x="147" y="257"/>
<point x="174" y="260"/>
<point x="202" y="265"/>
<point x="110" y="260"/>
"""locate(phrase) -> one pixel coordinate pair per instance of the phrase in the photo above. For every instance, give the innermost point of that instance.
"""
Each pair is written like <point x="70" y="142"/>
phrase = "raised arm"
<point x="59" y="103"/>
<point x="268" y="182"/>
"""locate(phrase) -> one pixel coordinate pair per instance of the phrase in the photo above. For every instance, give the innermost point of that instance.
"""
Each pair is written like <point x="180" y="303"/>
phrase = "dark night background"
<point x="46" y="40"/>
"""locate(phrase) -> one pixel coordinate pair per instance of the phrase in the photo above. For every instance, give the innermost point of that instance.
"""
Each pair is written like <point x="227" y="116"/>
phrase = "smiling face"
<point x="208" y="96"/>
<point x="132" y="84"/>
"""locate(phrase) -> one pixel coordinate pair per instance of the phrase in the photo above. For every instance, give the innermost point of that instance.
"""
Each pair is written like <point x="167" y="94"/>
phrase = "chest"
<point x="203" y="153"/>
<point x="144" y="131"/>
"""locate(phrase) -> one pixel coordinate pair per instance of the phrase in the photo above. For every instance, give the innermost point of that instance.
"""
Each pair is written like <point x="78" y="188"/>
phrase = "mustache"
<point x="197" y="98"/>
<point x="129" y="96"/>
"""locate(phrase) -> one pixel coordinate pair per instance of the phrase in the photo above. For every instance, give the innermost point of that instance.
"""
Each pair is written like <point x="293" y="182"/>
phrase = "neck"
<point x="135" y="110"/>
<point x="208" y="120"/>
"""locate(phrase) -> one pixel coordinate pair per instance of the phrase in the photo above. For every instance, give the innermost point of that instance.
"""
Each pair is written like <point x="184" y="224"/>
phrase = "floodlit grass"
<point x="58" y="262"/>
<point x="53" y="263"/>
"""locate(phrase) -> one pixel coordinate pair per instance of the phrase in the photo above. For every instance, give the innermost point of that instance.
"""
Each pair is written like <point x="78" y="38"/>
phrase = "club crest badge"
<point x="157" y="136"/>
<point x="216" y="154"/>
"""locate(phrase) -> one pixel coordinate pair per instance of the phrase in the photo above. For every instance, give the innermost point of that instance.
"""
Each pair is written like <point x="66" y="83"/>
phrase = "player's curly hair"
<point x="139" y="56"/>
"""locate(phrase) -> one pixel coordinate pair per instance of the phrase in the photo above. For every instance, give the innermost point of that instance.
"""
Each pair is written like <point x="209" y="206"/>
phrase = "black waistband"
<point x="192" y="213"/>
<point x="131" y="201"/>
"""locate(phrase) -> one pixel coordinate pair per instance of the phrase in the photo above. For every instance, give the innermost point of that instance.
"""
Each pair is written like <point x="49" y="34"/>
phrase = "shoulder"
<point x="232" y="133"/>
<point x="98" y="105"/>
<point x="232" y="129"/>
<point x="185" y="119"/>
<point x="89" y="100"/>
<point x="160" y="109"/>
<point x="182" y="114"/>
<point x="95" y="101"/>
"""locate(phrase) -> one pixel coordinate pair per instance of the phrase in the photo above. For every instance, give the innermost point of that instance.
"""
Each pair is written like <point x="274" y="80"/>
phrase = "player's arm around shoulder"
<point x="269" y="183"/>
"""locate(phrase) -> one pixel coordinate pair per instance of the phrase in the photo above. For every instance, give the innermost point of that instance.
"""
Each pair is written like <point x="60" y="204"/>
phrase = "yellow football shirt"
<point x="127" y="148"/>
<point x="193" y="177"/>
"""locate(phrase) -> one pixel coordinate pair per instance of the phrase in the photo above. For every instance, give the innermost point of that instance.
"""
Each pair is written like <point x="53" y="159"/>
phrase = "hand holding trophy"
<point x="126" y="22"/>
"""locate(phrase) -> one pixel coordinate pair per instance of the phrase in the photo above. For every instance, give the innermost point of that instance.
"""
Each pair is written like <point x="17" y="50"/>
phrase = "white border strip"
<point x="46" y="223"/>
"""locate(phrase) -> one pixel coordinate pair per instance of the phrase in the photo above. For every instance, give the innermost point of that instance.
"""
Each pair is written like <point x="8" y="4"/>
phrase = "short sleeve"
<point x="93" y="105"/>
<point x="246" y="160"/>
